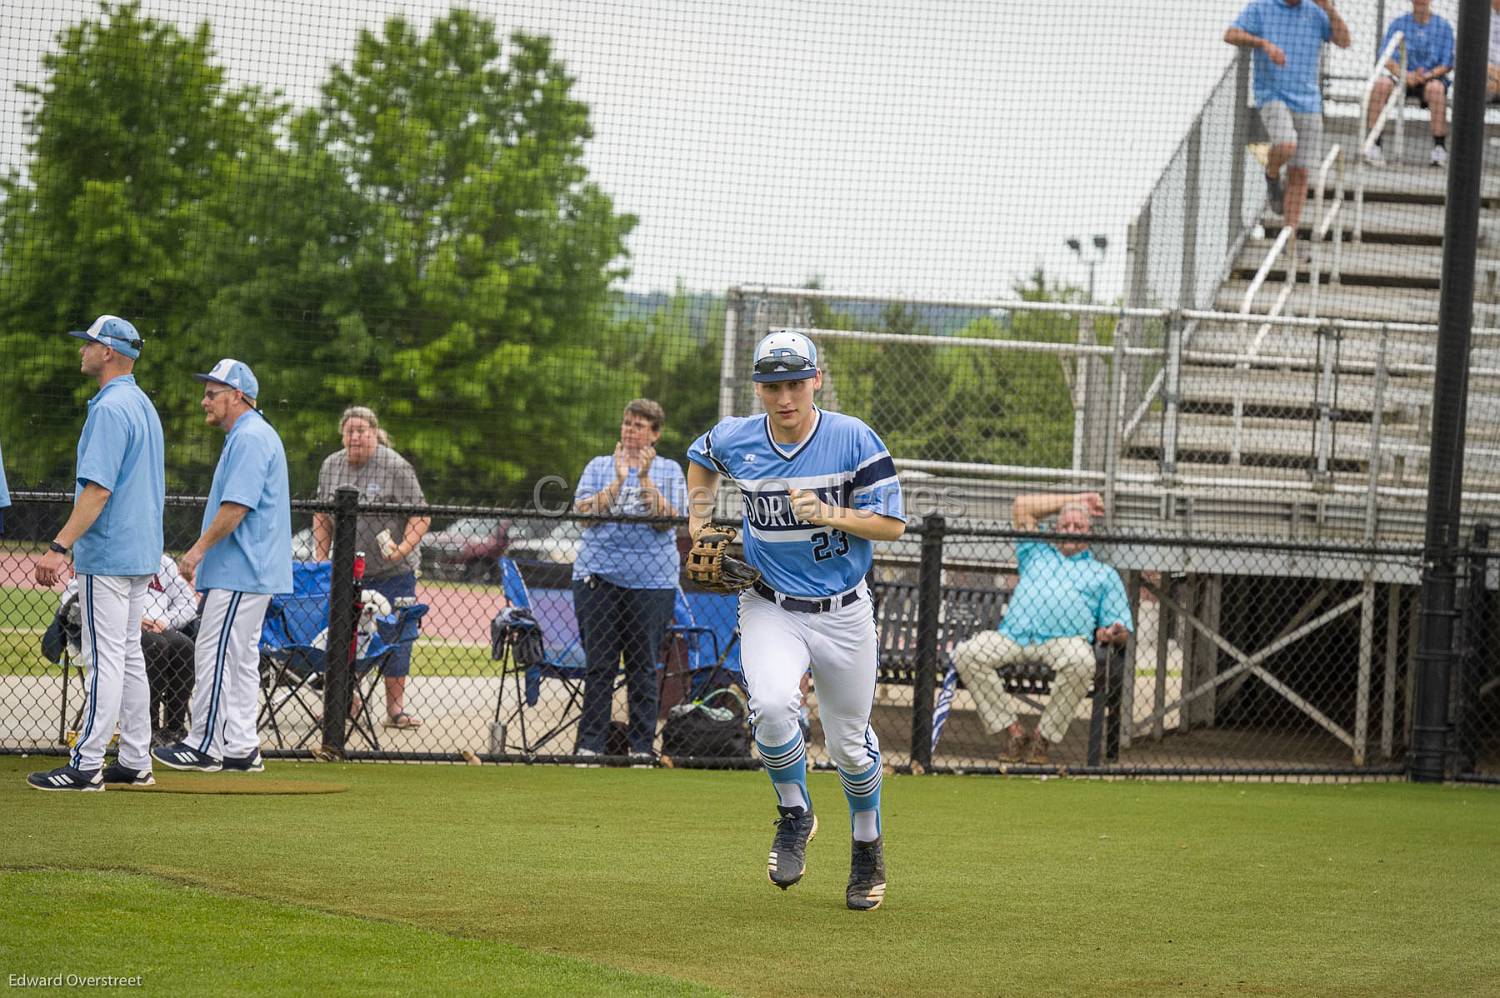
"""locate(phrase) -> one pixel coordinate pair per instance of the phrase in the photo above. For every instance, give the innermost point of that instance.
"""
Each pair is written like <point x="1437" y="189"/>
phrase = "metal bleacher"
<point x="1310" y="432"/>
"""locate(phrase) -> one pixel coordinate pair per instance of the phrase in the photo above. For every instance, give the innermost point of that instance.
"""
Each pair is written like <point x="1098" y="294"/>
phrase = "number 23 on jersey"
<point x="829" y="544"/>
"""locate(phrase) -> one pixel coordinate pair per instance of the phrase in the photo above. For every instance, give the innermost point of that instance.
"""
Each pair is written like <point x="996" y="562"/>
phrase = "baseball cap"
<point x="234" y="373"/>
<point x="783" y="355"/>
<point x="115" y="333"/>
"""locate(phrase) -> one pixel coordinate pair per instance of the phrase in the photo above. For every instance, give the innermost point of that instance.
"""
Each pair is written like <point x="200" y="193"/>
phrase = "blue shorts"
<point x="392" y="588"/>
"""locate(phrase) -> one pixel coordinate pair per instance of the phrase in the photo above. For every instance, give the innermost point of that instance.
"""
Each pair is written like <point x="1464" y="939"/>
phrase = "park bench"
<point x="967" y="610"/>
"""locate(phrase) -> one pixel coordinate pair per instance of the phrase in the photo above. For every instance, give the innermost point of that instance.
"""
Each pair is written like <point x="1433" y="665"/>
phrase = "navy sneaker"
<point x="244" y="764"/>
<point x="66" y="778"/>
<point x="116" y="773"/>
<point x="180" y="756"/>
<point x="794" y="830"/>
<point x="866" y="875"/>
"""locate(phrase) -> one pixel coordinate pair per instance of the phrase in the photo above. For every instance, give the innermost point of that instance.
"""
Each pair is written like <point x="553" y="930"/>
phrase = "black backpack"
<point x="516" y="629"/>
<point x="703" y="730"/>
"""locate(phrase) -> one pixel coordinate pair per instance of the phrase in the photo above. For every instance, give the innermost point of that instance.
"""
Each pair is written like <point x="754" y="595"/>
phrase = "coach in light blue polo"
<point x="114" y="534"/>
<point x="241" y="559"/>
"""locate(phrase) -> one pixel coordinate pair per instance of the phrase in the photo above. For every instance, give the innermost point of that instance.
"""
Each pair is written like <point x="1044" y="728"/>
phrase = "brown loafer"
<point x="1039" y="753"/>
<point x="1015" y="747"/>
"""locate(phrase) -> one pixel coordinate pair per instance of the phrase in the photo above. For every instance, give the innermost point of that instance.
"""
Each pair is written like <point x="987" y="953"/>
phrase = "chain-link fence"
<point x="1242" y="658"/>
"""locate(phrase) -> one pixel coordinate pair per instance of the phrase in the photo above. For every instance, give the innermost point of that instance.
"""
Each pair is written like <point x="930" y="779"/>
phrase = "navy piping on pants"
<point x="219" y="654"/>
<point x="88" y="727"/>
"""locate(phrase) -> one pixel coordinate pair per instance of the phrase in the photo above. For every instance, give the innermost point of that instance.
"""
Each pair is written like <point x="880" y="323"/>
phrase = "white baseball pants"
<point x="978" y="658"/>
<point x="114" y="679"/>
<point x="778" y="645"/>
<point x="226" y="686"/>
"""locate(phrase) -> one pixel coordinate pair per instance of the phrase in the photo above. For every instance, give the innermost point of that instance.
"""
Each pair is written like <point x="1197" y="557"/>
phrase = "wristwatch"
<point x="57" y="548"/>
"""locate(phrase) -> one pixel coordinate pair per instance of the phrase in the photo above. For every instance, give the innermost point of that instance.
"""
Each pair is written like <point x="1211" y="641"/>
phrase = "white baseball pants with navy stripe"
<point x="114" y="679"/>
<point x="226" y="686"/>
<point x="778" y="645"/>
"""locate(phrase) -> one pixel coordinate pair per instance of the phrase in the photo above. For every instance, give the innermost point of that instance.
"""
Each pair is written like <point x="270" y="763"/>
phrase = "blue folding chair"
<point x="709" y="623"/>
<point x="562" y="660"/>
<point x="292" y="666"/>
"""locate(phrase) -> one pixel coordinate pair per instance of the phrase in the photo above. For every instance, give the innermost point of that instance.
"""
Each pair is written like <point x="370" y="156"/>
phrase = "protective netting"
<point x="1037" y="247"/>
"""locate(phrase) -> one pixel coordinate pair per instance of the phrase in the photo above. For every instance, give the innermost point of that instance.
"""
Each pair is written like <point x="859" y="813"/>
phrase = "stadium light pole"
<point x="1437" y="654"/>
<point x="1091" y="258"/>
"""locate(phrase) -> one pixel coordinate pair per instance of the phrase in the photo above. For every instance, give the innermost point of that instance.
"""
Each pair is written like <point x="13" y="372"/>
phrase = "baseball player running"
<point x="243" y="556"/>
<point x="115" y="536"/>
<point x="818" y="487"/>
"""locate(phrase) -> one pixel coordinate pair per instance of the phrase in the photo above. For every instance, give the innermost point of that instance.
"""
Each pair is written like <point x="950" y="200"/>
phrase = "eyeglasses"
<point x="213" y="395"/>
<point x="782" y="362"/>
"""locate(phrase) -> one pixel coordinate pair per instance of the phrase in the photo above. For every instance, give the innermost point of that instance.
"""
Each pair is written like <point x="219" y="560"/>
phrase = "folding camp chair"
<point x="701" y="651"/>
<point x="294" y="662"/>
<point x="713" y="633"/>
<point x="562" y="659"/>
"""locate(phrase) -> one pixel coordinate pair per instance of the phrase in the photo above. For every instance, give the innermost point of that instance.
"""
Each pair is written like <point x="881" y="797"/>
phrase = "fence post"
<point x="338" y="681"/>
<point x="1474" y="648"/>
<point x="1187" y="290"/>
<point x="929" y="606"/>
<point x="1450" y="396"/>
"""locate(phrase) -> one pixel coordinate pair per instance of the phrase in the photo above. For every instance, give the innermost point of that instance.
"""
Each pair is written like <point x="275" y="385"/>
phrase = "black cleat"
<point x="794" y="830"/>
<point x="251" y="763"/>
<point x="866" y="875"/>
<point x="180" y="756"/>
<point x="118" y="774"/>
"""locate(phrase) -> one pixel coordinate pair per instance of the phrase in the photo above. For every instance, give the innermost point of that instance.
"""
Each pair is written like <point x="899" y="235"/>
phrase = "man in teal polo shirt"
<point x="1288" y="37"/>
<point x="242" y="558"/>
<point x="1064" y="602"/>
<point x="115" y="536"/>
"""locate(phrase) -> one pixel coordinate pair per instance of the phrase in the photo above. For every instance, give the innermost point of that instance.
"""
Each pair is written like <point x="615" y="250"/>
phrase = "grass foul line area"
<point x="653" y="881"/>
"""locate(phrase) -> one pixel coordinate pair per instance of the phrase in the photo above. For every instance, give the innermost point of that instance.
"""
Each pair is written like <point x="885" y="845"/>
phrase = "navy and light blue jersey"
<point x="842" y="460"/>
<point x="121" y="449"/>
<point x="257" y="556"/>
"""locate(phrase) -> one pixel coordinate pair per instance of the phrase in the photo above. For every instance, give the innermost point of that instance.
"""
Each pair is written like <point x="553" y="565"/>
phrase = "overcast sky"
<point x="938" y="148"/>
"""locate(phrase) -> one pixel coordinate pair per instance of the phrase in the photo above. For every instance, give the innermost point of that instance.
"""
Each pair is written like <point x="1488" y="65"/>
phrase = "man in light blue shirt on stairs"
<point x="1288" y="38"/>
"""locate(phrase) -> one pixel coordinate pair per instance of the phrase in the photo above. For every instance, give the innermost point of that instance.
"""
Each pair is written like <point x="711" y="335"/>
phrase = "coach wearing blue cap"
<point x="115" y="537"/>
<point x="242" y="558"/>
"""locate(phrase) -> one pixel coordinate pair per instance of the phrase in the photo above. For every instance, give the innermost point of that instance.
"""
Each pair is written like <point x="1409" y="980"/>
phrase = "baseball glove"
<point x="711" y="568"/>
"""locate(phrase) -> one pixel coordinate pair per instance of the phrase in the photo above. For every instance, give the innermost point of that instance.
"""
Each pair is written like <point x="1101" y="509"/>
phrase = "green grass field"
<point x="517" y="880"/>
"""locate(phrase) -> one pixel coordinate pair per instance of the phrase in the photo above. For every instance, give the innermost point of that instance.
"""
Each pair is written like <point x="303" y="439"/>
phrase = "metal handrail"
<point x="1396" y="100"/>
<point x="1325" y="223"/>
<point x="1282" y="238"/>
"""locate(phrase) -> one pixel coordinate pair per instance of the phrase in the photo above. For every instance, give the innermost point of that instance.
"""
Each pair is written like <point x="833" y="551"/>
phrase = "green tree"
<point x="1012" y="407"/>
<point x="951" y="403"/>
<point x="676" y="355"/>
<point x="132" y="128"/>
<point x="479" y="256"/>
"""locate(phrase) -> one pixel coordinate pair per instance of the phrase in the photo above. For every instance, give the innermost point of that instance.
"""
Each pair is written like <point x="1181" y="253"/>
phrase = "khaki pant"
<point x="1072" y="658"/>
